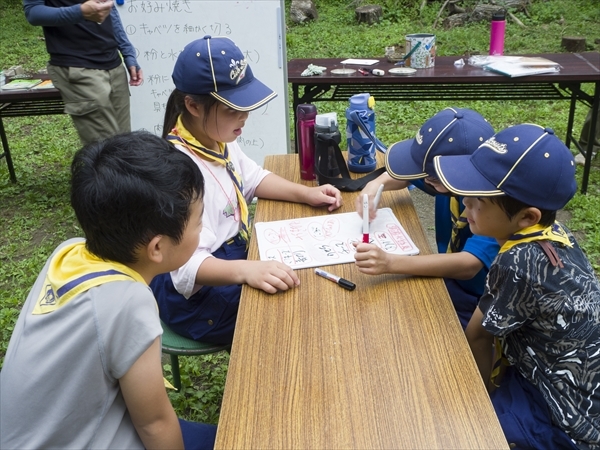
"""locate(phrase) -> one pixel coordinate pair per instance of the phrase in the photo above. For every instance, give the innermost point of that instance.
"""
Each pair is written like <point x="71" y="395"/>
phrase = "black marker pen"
<point x="340" y="281"/>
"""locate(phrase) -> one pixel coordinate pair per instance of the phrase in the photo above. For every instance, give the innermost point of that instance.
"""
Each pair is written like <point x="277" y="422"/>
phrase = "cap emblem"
<point x="419" y="137"/>
<point x="496" y="146"/>
<point x="238" y="70"/>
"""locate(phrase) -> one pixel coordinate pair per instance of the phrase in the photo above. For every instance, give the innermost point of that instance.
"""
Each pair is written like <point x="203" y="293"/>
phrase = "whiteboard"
<point x="159" y="30"/>
<point x="328" y="239"/>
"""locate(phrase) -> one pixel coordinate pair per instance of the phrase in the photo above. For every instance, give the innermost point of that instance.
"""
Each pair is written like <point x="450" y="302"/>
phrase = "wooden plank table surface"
<point x="384" y="366"/>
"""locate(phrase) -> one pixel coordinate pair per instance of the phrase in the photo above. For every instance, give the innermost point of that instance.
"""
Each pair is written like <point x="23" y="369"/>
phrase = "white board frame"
<point x="160" y="29"/>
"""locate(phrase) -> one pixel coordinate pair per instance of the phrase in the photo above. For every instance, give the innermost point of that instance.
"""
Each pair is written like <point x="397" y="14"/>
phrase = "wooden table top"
<point x="384" y="366"/>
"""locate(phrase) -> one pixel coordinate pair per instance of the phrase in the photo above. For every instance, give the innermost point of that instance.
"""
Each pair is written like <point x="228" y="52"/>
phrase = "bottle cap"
<point x="499" y="15"/>
<point x="326" y="120"/>
<point x="359" y="101"/>
<point x="306" y="111"/>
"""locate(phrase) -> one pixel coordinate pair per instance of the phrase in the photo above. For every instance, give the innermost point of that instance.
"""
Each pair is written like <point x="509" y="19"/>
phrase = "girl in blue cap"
<point x="215" y="90"/>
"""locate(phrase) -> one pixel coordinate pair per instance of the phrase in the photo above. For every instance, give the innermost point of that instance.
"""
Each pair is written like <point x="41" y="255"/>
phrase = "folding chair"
<point x="174" y="344"/>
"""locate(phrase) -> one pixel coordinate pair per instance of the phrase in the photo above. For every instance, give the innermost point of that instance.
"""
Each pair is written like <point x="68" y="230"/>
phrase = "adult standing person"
<point x="87" y="45"/>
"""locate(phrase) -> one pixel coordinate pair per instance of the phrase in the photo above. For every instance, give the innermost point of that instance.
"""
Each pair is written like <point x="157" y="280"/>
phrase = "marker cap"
<point x="347" y="284"/>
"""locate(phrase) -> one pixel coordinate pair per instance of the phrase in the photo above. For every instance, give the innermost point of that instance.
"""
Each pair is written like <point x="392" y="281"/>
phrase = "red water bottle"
<point x="497" y="32"/>
<point x="305" y="140"/>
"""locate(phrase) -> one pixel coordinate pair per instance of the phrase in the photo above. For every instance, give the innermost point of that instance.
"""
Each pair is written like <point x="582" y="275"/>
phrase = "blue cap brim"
<point x="247" y="97"/>
<point x="400" y="164"/>
<point x="461" y="177"/>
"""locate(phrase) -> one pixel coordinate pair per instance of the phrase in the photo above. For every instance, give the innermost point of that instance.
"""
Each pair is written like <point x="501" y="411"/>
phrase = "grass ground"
<point x="35" y="214"/>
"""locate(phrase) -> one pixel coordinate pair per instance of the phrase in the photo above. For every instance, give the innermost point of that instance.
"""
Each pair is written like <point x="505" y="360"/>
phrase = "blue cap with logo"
<point x="216" y="66"/>
<point x="526" y="162"/>
<point x="452" y="131"/>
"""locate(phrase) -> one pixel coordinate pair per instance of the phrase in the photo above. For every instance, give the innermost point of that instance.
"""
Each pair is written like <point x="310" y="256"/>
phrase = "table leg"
<point x="6" y="152"/>
<point x="592" y="137"/>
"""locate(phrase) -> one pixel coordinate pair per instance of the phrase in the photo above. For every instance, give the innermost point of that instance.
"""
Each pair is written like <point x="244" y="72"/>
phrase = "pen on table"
<point x="339" y="280"/>
<point x="365" y="218"/>
<point x="405" y="57"/>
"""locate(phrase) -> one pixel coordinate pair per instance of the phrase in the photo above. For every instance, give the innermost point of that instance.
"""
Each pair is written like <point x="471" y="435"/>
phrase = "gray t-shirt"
<point x="59" y="386"/>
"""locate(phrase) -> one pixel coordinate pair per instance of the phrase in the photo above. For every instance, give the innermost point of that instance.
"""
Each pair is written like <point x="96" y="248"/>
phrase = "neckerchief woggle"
<point x="459" y="221"/>
<point x="554" y="233"/>
<point x="182" y="135"/>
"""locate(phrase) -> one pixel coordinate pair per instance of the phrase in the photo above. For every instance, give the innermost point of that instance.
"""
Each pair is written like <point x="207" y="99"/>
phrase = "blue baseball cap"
<point x="452" y="131"/>
<point x="526" y="162"/>
<point x="217" y="67"/>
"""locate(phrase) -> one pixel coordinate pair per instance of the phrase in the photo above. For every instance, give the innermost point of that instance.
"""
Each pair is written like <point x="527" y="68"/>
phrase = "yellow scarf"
<point x="459" y="221"/>
<point x="74" y="270"/>
<point x="181" y="135"/>
<point x="554" y="233"/>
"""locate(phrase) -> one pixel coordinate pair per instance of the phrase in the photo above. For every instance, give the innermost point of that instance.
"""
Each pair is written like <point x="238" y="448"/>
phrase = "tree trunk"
<point x="368" y="14"/>
<point x="303" y="10"/>
<point x="573" y="44"/>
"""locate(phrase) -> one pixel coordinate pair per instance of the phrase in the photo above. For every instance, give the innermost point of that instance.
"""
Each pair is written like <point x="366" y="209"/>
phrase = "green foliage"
<point x="35" y="215"/>
<point x="585" y="210"/>
<point x="202" y="384"/>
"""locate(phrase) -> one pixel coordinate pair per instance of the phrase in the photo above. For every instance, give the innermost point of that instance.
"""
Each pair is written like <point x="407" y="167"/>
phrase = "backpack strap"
<point x="551" y="253"/>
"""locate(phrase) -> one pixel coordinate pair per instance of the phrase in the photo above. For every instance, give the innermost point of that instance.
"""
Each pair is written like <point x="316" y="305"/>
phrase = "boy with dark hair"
<point x="462" y="259"/>
<point x="83" y="366"/>
<point x="541" y="303"/>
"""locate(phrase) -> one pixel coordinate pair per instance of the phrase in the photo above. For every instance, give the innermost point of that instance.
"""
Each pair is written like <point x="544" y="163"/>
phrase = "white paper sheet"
<point x="325" y="240"/>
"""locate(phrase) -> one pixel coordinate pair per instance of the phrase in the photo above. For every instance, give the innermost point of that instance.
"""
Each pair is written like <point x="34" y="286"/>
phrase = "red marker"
<point x="365" y="218"/>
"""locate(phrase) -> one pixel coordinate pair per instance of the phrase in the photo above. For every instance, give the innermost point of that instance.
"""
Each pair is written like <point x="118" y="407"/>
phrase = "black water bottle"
<point x="327" y="138"/>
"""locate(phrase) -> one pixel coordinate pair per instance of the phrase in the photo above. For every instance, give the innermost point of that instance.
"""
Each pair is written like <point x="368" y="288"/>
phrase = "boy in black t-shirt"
<point x="541" y="304"/>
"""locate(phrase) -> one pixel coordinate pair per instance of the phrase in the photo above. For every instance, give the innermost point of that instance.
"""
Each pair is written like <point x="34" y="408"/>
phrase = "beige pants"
<point x="96" y="100"/>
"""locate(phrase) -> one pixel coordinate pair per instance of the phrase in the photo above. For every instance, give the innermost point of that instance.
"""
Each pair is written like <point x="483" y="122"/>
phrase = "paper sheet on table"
<point x="362" y="62"/>
<point x="325" y="240"/>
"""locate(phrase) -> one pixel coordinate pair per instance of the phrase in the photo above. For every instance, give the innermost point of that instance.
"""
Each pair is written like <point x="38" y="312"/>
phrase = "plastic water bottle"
<point x="497" y="32"/>
<point x="327" y="130"/>
<point x="361" y="149"/>
<point x="305" y="138"/>
<point x="2" y="79"/>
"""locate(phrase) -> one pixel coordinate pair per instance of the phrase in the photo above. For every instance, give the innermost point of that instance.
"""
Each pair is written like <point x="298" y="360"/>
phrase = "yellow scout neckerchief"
<point x="554" y="233"/>
<point x="180" y="134"/>
<point x="74" y="270"/>
<point x="459" y="221"/>
<point x="537" y="233"/>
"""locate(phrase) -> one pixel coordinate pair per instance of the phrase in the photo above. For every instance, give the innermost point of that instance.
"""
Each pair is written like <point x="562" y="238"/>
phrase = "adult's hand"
<point x="96" y="10"/>
<point x="135" y="76"/>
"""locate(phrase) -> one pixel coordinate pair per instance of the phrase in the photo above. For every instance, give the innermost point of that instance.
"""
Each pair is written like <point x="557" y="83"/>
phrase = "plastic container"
<point x="361" y="149"/>
<point x="305" y="139"/>
<point x="327" y="129"/>
<point x="497" y="32"/>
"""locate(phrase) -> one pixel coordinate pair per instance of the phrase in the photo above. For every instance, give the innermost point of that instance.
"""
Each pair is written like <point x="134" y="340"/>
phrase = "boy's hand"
<point x="371" y="260"/>
<point x="96" y="10"/>
<point x="270" y="276"/>
<point x="324" y="195"/>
